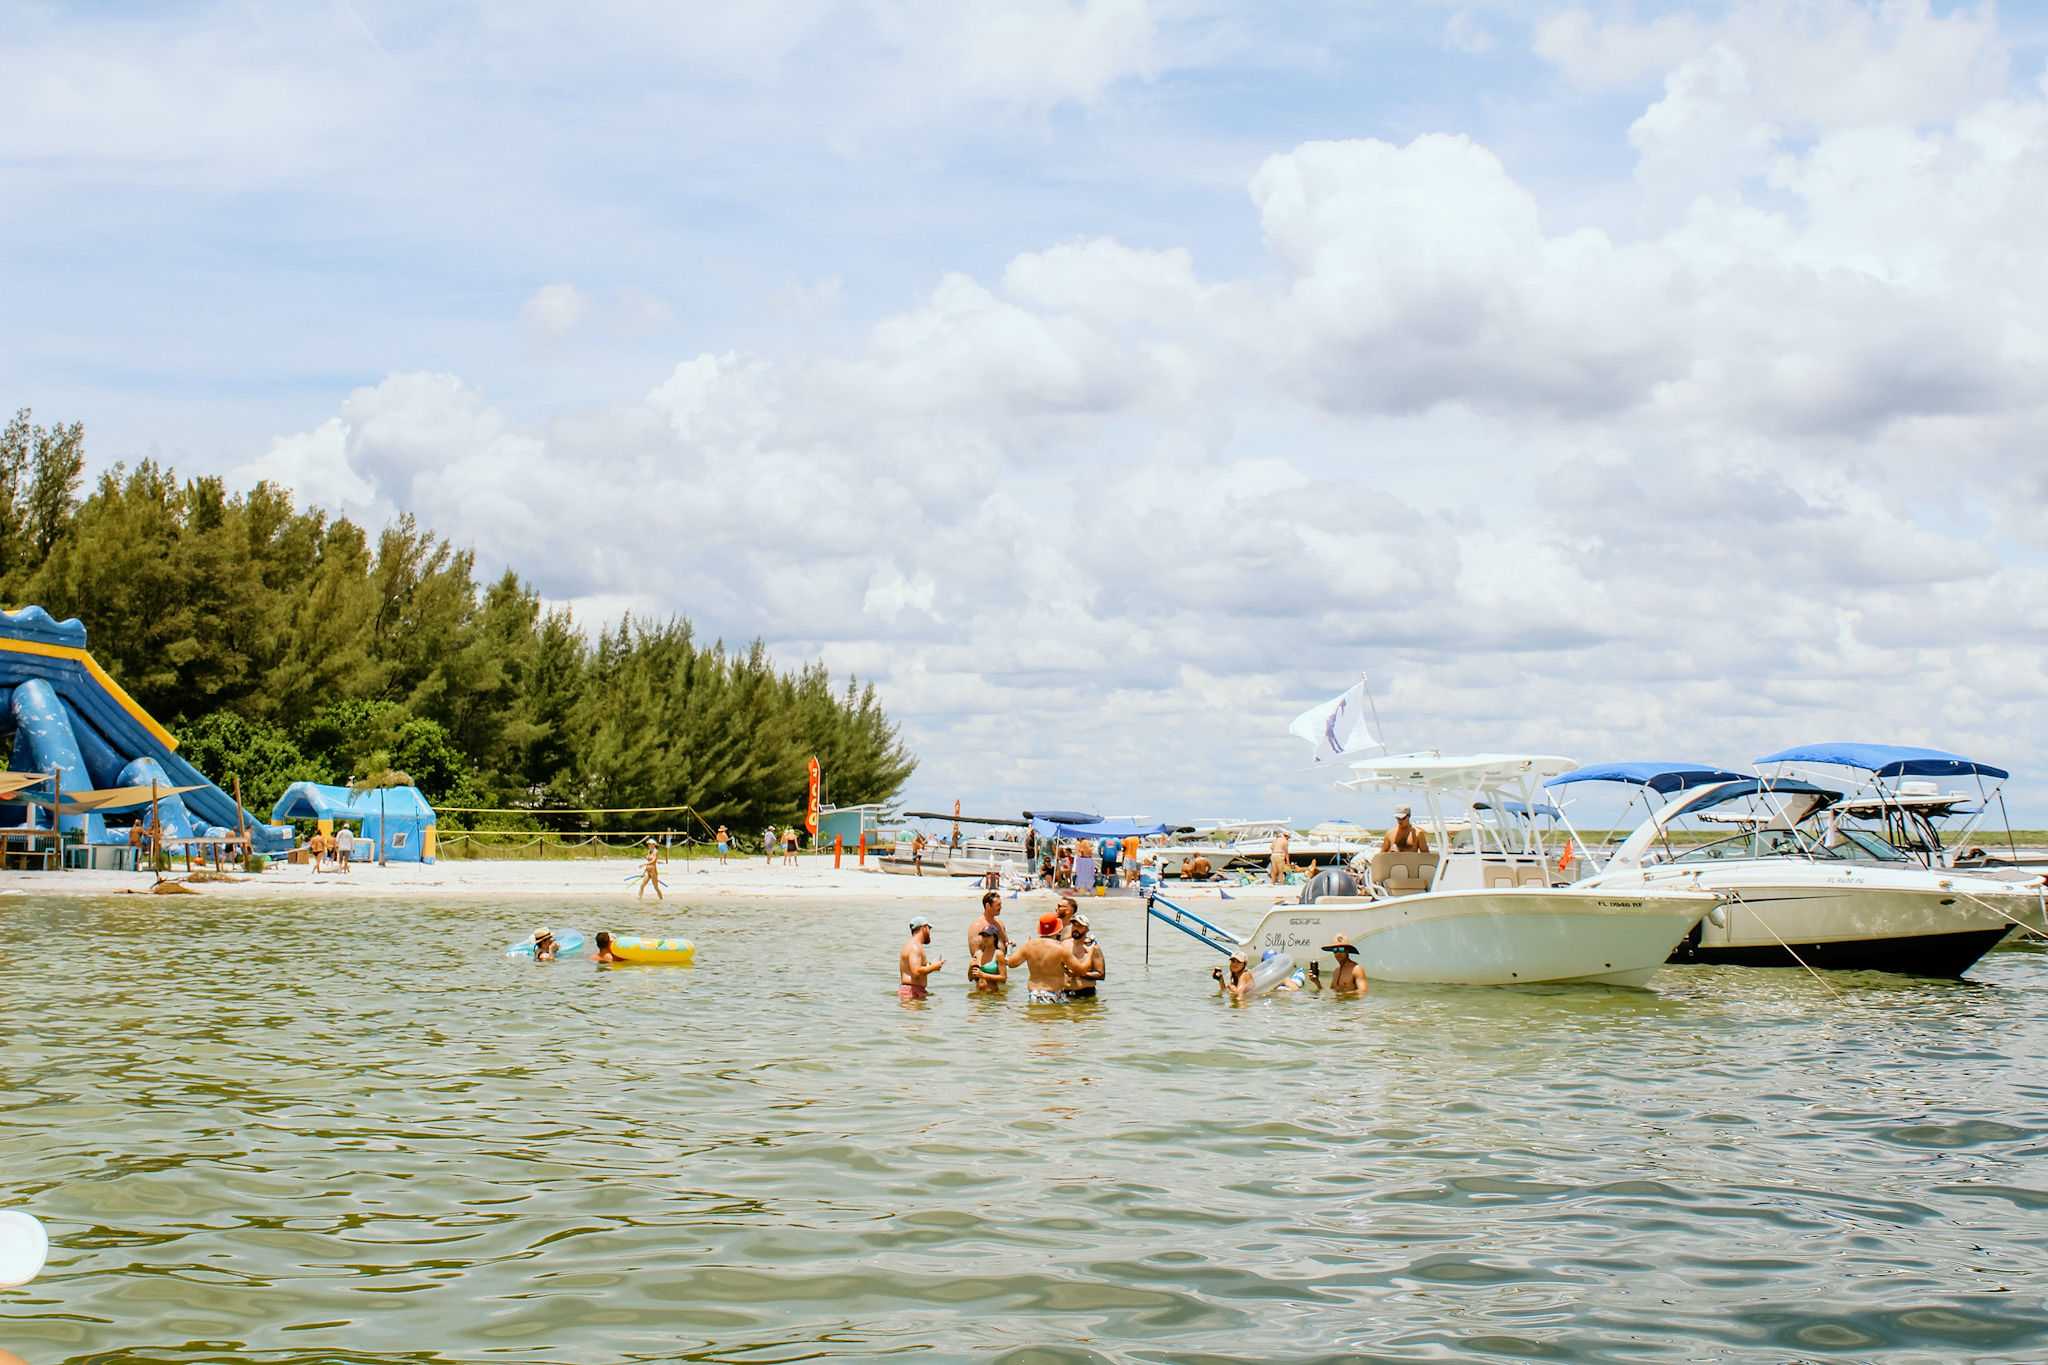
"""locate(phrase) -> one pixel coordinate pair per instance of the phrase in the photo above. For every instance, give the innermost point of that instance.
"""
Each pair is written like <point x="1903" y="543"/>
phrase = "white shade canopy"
<point x="1457" y="772"/>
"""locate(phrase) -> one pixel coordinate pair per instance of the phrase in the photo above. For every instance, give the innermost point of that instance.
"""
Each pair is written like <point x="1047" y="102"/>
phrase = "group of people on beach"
<point x="788" y="841"/>
<point x="1063" y="962"/>
<point x="332" y="852"/>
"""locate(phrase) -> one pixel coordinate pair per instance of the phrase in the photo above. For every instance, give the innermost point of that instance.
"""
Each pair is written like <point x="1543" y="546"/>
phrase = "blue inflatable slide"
<point x="69" y="717"/>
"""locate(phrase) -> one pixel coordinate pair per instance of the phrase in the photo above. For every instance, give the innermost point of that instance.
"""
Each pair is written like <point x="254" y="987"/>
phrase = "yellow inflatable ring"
<point x="673" y="952"/>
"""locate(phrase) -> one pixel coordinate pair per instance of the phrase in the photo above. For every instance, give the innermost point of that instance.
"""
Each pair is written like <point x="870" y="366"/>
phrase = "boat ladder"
<point x="1188" y="922"/>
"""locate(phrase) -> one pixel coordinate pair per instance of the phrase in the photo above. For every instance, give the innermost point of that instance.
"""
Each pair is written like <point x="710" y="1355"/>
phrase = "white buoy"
<point x="24" y="1246"/>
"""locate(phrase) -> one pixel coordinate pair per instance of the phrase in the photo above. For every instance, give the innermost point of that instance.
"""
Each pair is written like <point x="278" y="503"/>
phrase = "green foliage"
<point x="286" y="647"/>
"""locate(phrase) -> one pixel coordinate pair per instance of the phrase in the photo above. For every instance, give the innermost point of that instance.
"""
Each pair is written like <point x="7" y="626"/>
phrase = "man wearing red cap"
<point x="1050" y="958"/>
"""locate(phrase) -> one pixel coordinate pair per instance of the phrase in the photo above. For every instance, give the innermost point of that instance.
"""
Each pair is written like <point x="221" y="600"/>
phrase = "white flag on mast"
<point x="1337" y="727"/>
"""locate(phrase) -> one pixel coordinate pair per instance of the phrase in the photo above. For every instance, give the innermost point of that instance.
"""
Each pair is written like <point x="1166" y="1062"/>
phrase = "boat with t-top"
<point x="1491" y="907"/>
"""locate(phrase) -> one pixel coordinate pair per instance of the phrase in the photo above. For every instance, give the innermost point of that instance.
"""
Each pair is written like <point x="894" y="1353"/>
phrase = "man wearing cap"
<point x="1050" y="960"/>
<point x="1350" y="977"/>
<point x="991" y="911"/>
<point x="911" y="966"/>
<point x="1081" y="978"/>
<point x="1404" y="837"/>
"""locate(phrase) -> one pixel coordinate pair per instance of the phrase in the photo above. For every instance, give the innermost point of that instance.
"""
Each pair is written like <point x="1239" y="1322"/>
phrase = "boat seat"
<point x="1498" y="877"/>
<point x="1404" y="874"/>
<point x="1529" y="874"/>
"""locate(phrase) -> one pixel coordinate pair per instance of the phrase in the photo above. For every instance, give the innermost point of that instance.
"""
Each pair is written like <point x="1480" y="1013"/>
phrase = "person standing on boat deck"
<point x="1278" y="853"/>
<point x="1090" y="968"/>
<point x="911" y="965"/>
<point x="1404" y="837"/>
<point x="650" y="872"/>
<point x="991" y="919"/>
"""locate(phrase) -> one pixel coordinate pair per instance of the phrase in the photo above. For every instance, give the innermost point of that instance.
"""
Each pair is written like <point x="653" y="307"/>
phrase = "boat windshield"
<point x="1850" y="845"/>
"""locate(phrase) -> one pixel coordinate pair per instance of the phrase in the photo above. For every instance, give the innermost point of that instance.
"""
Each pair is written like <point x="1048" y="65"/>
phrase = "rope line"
<point x="1782" y="944"/>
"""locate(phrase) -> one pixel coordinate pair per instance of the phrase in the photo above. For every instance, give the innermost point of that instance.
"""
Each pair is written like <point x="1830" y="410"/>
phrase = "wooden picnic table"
<point x="29" y="836"/>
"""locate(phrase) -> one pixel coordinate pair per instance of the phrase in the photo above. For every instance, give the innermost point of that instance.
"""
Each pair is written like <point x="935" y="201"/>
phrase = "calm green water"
<point x="323" y="1133"/>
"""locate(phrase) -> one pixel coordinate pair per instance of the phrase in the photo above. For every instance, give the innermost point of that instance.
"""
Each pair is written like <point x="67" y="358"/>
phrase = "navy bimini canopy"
<point x="1750" y="786"/>
<point x="1062" y="817"/>
<point x="1094" y="829"/>
<point x="1658" y="777"/>
<point x="1887" y="760"/>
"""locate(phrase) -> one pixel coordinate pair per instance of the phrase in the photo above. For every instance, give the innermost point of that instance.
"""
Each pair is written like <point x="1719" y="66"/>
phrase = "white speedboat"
<point x="1790" y="898"/>
<point x="1488" y="910"/>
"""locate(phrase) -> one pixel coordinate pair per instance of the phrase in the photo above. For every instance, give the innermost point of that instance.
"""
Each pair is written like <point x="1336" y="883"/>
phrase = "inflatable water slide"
<point x="69" y="717"/>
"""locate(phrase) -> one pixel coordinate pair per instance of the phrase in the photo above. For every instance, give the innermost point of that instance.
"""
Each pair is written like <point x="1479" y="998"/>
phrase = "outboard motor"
<point x="1331" y="881"/>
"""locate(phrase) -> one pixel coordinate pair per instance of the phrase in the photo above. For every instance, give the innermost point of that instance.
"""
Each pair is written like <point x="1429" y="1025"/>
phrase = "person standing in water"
<point x="911" y="965"/>
<point x="604" y="952"/>
<point x="1238" y="984"/>
<point x="990" y="921"/>
<point x="650" y="872"/>
<point x="1050" y="960"/>
<point x="988" y="975"/>
<point x="545" y="945"/>
<point x="1082" y="979"/>
<point x="1349" y="978"/>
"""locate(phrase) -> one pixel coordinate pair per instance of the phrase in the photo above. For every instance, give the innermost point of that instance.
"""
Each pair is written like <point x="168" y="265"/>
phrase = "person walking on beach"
<point x="768" y="845"/>
<point x="344" y="847"/>
<point x="1082" y="979"/>
<point x="650" y="872"/>
<point x="911" y="965"/>
<point x="1049" y="960"/>
<point x="724" y="844"/>
<point x="789" y="845"/>
<point x="989" y="921"/>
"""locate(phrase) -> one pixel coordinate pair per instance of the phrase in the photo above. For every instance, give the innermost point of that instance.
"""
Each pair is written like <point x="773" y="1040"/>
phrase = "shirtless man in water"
<point x="911" y="966"/>
<point x="1050" y="959"/>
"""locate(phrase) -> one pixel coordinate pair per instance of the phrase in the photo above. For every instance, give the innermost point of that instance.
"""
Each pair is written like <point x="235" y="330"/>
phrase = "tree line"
<point x="281" y="644"/>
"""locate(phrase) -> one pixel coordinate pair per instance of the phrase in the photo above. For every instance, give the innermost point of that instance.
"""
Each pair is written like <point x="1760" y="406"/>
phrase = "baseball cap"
<point x="1048" y="925"/>
<point x="920" y="923"/>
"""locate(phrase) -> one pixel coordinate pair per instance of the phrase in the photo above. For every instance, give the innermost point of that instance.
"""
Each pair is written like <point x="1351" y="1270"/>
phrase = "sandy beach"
<point x="813" y="879"/>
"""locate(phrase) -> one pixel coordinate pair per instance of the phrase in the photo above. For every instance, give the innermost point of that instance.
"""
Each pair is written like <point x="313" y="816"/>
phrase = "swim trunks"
<point x="1081" y="993"/>
<point x="909" y="992"/>
<point x="1044" y="997"/>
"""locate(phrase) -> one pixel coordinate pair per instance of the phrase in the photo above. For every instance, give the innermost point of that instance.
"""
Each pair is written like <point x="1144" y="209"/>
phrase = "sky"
<point x="1109" y="380"/>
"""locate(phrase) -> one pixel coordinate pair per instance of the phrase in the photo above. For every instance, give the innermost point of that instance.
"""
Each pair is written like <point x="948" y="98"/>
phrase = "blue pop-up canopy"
<point x="1095" y="829"/>
<point x="1658" y="777"/>
<point x="1887" y="760"/>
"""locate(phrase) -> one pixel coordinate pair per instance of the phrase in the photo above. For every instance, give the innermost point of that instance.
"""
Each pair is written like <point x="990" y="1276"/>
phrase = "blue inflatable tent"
<point x="397" y="817"/>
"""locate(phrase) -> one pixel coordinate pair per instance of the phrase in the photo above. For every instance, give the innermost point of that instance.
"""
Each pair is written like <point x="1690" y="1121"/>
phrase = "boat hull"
<point x="1860" y="918"/>
<point x="1506" y="937"/>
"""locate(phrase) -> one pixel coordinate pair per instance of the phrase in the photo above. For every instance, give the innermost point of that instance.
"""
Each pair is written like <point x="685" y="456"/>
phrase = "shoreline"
<point x="606" y="879"/>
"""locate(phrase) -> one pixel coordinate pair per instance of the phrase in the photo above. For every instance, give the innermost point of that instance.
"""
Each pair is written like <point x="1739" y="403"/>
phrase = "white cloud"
<point x="556" y="309"/>
<point x="1740" y="447"/>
